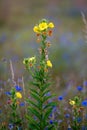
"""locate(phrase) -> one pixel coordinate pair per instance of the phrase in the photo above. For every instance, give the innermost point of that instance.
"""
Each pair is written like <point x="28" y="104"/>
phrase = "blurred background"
<point x="68" y="51"/>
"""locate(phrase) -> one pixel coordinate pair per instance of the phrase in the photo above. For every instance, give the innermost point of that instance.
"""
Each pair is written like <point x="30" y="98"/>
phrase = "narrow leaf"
<point x="47" y="113"/>
<point x="32" y="123"/>
<point x="33" y="103"/>
<point x="34" y="91"/>
<point x="45" y="86"/>
<point x="37" y="84"/>
<point x="47" y="97"/>
<point x="34" y="112"/>
<point x="35" y="96"/>
<point x="51" y="104"/>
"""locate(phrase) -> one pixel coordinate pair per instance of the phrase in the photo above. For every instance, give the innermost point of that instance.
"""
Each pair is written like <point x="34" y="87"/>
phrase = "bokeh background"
<point x="68" y="51"/>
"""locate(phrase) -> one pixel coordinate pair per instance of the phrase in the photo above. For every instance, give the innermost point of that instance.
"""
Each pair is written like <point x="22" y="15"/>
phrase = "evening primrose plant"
<point x="14" y="97"/>
<point x="39" y="107"/>
<point x="76" y="112"/>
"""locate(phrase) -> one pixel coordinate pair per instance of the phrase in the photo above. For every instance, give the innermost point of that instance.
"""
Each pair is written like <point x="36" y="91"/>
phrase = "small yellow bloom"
<point x="32" y="59"/>
<point x="43" y="26"/>
<point x="29" y="60"/>
<point x="72" y="102"/>
<point x="49" y="64"/>
<point x="18" y="95"/>
<point x="51" y="25"/>
<point x="36" y="29"/>
<point x="25" y="61"/>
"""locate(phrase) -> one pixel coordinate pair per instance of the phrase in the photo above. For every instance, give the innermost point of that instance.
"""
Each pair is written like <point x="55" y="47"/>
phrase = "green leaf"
<point x="13" y="106"/>
<point x="34" y="104"/>
<point x="32" y="123"/>
<point x="34" y="112"/>
<point x="32" y="126"/>
<point x="34" y="91"/>
<point x="45" y="86"/>
<point x="35" y="96"/>
<point x="45" y="92"/>
<point x="51" y="127"/>
<point x="47" y="97"/>
<point x="37" y="84"/>
<point x="37" y="75"/>
<point x="51" y="104"/>
<point x="47" y="113"/>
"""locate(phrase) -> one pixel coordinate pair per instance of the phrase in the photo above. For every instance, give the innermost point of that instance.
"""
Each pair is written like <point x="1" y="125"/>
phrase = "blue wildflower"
<point x="79" y="88"/>
<point x="51" y="121"/>
<point x="18" y="88"/>
<point x="67" y="115"/>
<point x="79" y="119"/>
<point x="22" y="104"/>
<point x="84" y="103"/>
<point x="10" y="126"/>
<point x="8" y="93"/>
<point x="60" y="98"/>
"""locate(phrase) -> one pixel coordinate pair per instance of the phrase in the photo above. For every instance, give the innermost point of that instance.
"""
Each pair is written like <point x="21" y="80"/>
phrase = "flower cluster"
<point x="15" y="93"/>
<point x="29" y="62"/>
<point x="43" y="26"/>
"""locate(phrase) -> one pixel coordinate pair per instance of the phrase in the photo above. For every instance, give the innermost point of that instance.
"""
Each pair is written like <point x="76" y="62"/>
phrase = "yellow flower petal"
<point x="32" y="59"/>
<point x="28" y="60"/>
<point x="25" y="61"/>
<point x="36" y="29"/>
<point x="43" y="26"/>
<point x="18" y="95"/>
<point x="49" y="64"/>
<point x="72" y="102"/>
<point x="51" y="25"/>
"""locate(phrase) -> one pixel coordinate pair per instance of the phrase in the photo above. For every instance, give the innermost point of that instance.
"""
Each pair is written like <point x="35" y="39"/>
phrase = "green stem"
<point x="42" y="81"/>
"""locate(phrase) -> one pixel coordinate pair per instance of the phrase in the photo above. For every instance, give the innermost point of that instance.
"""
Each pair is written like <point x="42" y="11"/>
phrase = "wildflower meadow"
<point x="35" y="106"/>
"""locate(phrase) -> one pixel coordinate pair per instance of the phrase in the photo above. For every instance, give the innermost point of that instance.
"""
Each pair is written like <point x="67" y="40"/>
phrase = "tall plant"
<point x="39" y="105"/>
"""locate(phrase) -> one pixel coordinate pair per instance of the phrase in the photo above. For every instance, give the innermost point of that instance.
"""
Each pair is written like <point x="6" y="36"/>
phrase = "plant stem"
<point x="42" y="59"/>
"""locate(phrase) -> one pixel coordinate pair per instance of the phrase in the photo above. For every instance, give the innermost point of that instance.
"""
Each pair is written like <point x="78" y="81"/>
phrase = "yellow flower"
<point x="72" y="102"/>
<point x="18" y="95"/>
<point x="49" y="64"/>
<point x="51" y="25"/>
<point x="36" y="29"/>
<point x="28" y="60"/>
<point x="32" y="59"/>
<point x="43" y="26"/>
<point x="25" y="61"/>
